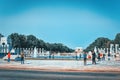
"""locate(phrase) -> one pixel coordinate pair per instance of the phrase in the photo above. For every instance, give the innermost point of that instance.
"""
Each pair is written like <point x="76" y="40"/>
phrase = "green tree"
<point x="41" y="43"/>
<point x="23" y="41"/>
<point x="117" y="39"/>
<point x="99" y="43"/>
<point x="31" y="41"/>
<point x="1" y="35"/>
<point x="15" y="39"/>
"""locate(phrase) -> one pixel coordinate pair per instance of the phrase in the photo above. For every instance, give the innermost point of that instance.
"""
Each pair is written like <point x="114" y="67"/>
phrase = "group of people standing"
<point x="93" y="57"/>
<point x="22" y="57"/>
<point x="85" y="56"/>
<point x="99" y="56"/>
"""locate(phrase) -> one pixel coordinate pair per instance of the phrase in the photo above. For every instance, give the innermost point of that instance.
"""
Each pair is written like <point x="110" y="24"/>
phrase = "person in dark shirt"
<point x="93" y="57"/>
<point x="108" y="56"/>
<point x="85" y="57"/>
<point x="99" y="59"/>
<point x="22" y="58"/>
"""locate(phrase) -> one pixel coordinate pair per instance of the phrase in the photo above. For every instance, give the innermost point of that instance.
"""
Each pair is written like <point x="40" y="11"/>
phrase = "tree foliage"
<point x="103" y="42"/>
<point x="1" y="35"/>
<point x="117" y="39"/>
<point x="99" y="43"/>
<point x="15" y="39"/>
<point x="30" y="41"/>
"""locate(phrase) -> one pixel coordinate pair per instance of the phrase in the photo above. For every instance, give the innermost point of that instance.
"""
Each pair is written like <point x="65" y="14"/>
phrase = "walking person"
<point x="85" y="58"/>
<point x="22" y="58"/>
<point x="80" y="57"/>
<point x="76" y="55"/>
<point x="9" y="55"/>
<point x="109" y="56"/>
<point x="99" y="59"/>
<point x="103" y="58"/>
<point x="93" y="57"/>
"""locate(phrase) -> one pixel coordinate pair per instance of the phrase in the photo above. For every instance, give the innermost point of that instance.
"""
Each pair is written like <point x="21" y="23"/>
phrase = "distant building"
<point x="4" y="46"/>
<point x="3" y="40"/>
<point x="78" y="49"/>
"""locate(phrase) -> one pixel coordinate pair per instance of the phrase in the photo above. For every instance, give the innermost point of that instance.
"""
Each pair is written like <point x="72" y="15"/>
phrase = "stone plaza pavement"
<point x="62" y="65"/>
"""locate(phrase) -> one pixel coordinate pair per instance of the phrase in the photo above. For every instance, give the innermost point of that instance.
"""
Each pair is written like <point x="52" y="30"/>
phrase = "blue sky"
<point x="75" y="23"/>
